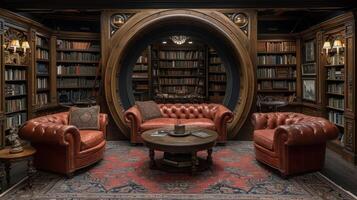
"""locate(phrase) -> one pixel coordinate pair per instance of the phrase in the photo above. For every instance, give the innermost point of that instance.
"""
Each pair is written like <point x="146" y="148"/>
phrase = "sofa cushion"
<point x="199" y="122"/>
<point x="90" y="138"/>
<point x="84" y="118"/>
<point x="149" y="110"/>
<point x="265" y="138"/>
<point x="157" y="123"/>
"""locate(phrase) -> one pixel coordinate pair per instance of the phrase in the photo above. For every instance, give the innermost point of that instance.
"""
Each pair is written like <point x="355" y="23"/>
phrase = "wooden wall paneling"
<point x="53" y="71"/>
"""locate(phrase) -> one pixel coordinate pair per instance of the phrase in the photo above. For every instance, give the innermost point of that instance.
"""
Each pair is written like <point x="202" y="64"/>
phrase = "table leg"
<point x="7" y="170"/>
<point x="30" y="172"/>
<point x="209" y="156"/>
<point x="152" y="158"/>
<point x="194" y="162"/>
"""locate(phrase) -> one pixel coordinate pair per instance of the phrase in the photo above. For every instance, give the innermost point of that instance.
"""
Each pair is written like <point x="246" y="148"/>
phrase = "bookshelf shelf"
<point x="16" y="111"/>
<point x="277" y="65"/>
<point x="77" y="65"/>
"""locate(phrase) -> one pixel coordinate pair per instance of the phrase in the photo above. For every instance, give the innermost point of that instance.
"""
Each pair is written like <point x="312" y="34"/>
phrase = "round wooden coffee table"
<point x="180" y="147"/>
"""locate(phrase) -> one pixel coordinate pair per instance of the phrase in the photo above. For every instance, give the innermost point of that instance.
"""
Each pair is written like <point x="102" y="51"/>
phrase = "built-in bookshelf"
<point x="77" y="65"/>
<point x="335" y="87"/>
<point x="216" y="77"/>
<point x="178" y="73"/>
<point x="16" y="66"/>
<point x="42" y="84"/>
<point x="276" y="69"/>
<point x="141" y="77"/>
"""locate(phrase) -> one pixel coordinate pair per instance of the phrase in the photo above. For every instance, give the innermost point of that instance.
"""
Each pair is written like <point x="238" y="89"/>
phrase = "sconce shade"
<point x="337" y="44"/>
<point x="327" y="45"/>
<point x="14" y="44"/>
<point x="25" y="45"/>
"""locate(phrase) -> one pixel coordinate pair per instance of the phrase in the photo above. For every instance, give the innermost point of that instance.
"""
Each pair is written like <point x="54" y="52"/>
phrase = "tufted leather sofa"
<point x="210" y="116"/>
<point x="291" y="142"/>
<point x="63" y="148"/>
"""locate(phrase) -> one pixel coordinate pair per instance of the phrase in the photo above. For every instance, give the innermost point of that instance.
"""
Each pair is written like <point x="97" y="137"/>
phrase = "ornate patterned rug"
<point x="124" y="174"/>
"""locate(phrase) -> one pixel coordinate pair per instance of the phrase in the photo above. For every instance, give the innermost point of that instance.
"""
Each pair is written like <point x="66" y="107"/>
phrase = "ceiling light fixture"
<point x="179" y="39"/>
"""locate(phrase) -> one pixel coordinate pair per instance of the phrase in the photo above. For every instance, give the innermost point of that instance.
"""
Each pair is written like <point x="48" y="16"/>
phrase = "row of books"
<point x="336" y="103"/>
<point x="69" y="96"/>
<point x="181" y="89"/>
<point x="336" y="74"/>
<point x="178" y="73"/>
<point x="336" y="117"/>
<point x="75" y="82"/>
<point x="42" y="54"/>
<point x="66" y="44"/>
<point x="271" y="85"/>
<point x="179" y="64"/>
<point x="216" y="77"/>
<point x="15" y="120"/>
<point x="276" y="73"/>
<point x="142" y="59"/>
<point x="15" y="74"/>
<point x="217" y="87"/>
<point x="42" y="83"/>
<point x="287" y="46"/>
<point x="77" y="56"/>
<point x="138" y="86"/>
<point x="219" y="68"/>
<point x="42" y="42"/>
<point x="15" y="89"/>
<point x="337" y="88"/>
<point x="179" y="80"/>
<point x="41" y="99"/>
<point x="15" y="105"/>
<point x="140" y="67"/>
<point x="215" y="59"/>
<point x="181" y="55"/>
<point x="277" y="60"/>
<point x="42" y="68"/>
<point x="76" y="70"/>
<point x="279" y="97"/>
<point x="140" y="75"/>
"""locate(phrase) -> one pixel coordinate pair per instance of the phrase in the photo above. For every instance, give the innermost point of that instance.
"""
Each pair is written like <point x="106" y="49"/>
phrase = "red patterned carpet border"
<point x="124" y="174"/>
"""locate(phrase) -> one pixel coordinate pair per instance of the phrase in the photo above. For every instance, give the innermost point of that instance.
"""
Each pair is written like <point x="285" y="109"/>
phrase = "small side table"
<point x="7" y="159"/>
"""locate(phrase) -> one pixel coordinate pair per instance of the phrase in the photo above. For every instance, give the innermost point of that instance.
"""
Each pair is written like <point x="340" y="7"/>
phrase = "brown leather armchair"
<point x="210" y="116"/>
<point x="292" y="142"/>
<point x="61" y="147"/>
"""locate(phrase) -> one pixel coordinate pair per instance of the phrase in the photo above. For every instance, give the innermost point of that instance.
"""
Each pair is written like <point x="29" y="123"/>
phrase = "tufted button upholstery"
<point x="212" y="116"/>
<point x="61" y="147"/>
<point x="292" y="142"/>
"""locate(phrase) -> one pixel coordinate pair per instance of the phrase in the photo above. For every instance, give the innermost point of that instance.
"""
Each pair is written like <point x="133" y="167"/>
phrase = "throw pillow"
<point x="84" y="118"/>
<point x="149" y="109"/>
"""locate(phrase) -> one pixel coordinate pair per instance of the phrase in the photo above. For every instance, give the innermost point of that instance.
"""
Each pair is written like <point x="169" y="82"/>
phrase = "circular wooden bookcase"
<point x="240" y="73"/>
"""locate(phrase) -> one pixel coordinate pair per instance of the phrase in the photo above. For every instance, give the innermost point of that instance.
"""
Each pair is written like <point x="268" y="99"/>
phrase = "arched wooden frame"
<point x="143" y="20"/>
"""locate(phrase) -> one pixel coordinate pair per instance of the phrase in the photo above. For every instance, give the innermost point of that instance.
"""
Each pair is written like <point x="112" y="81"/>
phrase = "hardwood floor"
<point x="341" y="172"/>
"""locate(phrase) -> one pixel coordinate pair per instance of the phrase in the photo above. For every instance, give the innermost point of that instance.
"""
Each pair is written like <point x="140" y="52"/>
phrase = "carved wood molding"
<point x="117" y="20"/>
<point x="2" y="26"/>
<point x="240" y="19"/>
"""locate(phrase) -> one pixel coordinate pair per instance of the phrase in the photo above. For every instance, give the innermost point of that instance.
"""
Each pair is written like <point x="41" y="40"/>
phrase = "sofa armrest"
<point x="306" y="133"/>
<point x="222" y="117"/>
<point x="103" y="122"/>
<point x="50" y="133"/>
<point x="263" y="120"/>
<point x="133" y="117"/>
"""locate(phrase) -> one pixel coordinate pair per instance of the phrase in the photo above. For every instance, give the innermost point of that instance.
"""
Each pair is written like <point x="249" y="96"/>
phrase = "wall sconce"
<point x="25" y="45"/>
<point x="337" y="44"/>
<point x="327" y="46"/>
<point x="14" y="44"/>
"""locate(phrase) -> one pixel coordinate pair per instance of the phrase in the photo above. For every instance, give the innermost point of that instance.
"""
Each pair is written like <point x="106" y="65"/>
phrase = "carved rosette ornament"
<point x="118" y="20"/>
<point x="241" y="20"/>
